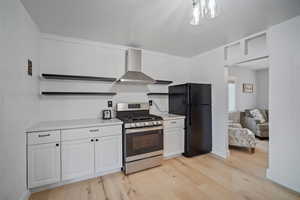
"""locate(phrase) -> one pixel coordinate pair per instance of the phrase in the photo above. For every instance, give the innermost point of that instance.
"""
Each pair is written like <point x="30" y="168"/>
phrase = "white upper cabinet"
<point x="108" y="153"/>
<point x="248" y="49"/>
<point x="77" y="158"/>
<point x="43" y="164"/>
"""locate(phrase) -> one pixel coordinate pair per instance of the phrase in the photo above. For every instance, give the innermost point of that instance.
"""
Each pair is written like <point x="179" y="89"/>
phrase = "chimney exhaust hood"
<point x="133" y="71"/>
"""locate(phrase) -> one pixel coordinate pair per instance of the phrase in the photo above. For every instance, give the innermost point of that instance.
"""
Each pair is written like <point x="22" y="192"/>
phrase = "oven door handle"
<point x="136" y="130"/>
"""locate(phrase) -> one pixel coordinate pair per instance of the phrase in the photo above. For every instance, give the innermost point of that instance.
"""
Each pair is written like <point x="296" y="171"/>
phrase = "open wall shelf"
<point x="157" y="94"/>
<point x="163" y="82"/>
<point x="75" y="77"/>
<point x="78" y="93"/>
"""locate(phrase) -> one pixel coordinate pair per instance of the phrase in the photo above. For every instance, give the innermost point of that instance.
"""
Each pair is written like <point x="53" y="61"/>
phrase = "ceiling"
<point x="158" y="25"/>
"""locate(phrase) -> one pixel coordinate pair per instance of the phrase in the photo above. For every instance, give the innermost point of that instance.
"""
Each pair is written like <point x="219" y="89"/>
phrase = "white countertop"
<point x="69" y="124"/>
<point x="168" y="116"/>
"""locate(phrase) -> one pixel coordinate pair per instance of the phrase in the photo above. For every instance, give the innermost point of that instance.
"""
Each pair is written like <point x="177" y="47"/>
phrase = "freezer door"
<point x="178" y="99"/>
<point x="200" y="94"/>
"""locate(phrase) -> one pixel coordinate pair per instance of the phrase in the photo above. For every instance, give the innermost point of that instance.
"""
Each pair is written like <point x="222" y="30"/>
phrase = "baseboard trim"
<point x="220" y="154"/>
<point x="25" y="195"/>
<point x="270" y="177"/>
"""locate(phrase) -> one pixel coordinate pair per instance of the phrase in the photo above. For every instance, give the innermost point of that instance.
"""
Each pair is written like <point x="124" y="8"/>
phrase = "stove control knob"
<point x="137" y="124"/>
<point x="132" y="125"/>
<point x="159" y="122"/>
<point x="146" y="123"/>
<point x="154" y="123"/>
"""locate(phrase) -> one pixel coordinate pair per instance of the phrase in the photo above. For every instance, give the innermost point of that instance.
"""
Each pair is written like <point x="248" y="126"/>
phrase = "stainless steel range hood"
<point x="133" y="69"/>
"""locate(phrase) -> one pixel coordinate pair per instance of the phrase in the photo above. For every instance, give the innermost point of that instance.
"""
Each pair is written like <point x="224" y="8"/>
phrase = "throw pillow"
<point x="258" y="116"/>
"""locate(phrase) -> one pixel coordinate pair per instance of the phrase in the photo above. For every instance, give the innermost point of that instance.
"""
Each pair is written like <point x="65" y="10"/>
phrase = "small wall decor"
<point x="248" y="88"/>
<point x="29" y="67"/>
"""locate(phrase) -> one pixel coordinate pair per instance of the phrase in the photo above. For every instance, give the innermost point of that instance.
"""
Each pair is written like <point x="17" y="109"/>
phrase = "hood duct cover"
<point x="133" y="69"/>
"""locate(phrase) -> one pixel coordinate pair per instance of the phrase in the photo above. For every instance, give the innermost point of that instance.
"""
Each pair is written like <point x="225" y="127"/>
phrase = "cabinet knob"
<point x="57" y="145"/>
<point x="92" y="140"/>
<point x="97" y="140"/>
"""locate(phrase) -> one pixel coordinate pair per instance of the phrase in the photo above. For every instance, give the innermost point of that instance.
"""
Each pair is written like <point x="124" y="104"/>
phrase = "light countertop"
<point x="69" y="124"/>
<point x="168" y="116"/>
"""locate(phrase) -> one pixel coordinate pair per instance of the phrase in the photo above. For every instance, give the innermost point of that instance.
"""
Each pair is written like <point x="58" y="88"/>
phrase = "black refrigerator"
<point x="193" y="101"/>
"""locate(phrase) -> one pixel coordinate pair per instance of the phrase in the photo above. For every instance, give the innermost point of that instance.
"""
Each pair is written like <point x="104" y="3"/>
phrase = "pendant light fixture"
<point x="206" y="9"/>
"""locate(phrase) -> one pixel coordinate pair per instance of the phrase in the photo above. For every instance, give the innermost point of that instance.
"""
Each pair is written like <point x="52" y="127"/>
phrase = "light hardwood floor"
<point x="206" y="177"/>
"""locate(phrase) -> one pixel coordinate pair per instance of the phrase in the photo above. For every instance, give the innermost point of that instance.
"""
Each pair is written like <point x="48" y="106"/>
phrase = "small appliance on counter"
<point x="106" y="114"/>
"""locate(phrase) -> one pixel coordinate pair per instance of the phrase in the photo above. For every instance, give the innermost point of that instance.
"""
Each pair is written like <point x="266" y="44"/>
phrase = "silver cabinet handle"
<point x="44" y="135"/>
<point x="94" y="130"/>
<point x="173" y="122"/>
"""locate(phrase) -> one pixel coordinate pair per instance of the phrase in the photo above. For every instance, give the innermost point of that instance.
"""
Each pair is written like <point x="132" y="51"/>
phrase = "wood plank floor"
<point x="206" y="177"/>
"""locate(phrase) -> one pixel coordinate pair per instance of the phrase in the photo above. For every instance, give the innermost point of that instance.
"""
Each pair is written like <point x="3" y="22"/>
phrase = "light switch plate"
<point x="109" y="104"/>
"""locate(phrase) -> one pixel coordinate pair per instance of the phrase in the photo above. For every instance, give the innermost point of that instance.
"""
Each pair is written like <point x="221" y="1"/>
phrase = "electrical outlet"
<point x="109" y="104"/>
<point x="150" y="102"/>
<point x="29" y="67"/>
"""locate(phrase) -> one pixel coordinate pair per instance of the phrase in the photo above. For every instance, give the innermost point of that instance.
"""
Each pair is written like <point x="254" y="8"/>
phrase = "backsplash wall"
<point x="62" y="55"/>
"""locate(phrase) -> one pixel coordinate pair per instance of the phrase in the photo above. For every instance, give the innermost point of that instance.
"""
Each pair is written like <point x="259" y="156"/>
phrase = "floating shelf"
<point x="163" y="82"/>
<point x="75" y="77"/>
<point x="158" y="94"/>
<point x="78" y="93"/>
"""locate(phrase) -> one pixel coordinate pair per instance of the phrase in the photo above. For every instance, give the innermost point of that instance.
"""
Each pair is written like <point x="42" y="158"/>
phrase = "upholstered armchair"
<point x="260" y="129"/>
<point x="239" y="136"/>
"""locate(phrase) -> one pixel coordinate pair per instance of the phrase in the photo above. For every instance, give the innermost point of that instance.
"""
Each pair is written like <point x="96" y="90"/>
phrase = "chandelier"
<point x="206" y="9"/>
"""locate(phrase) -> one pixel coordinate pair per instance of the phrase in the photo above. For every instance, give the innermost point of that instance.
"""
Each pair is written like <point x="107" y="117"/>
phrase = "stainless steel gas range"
<point x="142" y="137"/>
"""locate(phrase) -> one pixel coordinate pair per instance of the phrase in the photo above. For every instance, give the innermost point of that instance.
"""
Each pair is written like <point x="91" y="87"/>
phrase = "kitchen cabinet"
<point x="77" y="158"/>
<point x="173" y="137"/>
<point x="58" y="156"/>
<point x="43" y="164"/>
<point x="108" y="153"/>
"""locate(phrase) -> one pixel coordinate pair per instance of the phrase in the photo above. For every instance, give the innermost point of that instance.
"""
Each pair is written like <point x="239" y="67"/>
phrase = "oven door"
<point x="143" y="142"/>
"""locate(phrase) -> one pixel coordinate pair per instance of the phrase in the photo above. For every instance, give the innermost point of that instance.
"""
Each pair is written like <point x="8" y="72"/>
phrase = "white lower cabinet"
<point x="108" y="153"/>
<point x="43" y="164"/>
<point x="173" y="137"/>
<point x="56" y="156"/>
<point x="173" y="142"/>
<point x="77" y="158"/>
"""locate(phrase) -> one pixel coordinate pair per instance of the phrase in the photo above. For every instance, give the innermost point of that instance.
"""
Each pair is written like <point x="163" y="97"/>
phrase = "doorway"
<point x="248" y="116"/>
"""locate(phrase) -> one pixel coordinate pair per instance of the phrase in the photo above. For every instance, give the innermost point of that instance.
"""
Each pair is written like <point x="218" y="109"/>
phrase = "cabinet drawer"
<point x="108" y="130"/>
<point x="43" y="137"/>
<point x="78" y="133"/>
<point x="176" y="123"/>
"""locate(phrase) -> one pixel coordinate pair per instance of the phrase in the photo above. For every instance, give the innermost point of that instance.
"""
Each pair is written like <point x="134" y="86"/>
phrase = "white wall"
<point x="75" y="56"/>
<point x="262" y="88"/>
<point x="284" y="159"/>
<point x="19" y="103"/>
<point x="209" y="68"/>
<point x="243" y="75"/>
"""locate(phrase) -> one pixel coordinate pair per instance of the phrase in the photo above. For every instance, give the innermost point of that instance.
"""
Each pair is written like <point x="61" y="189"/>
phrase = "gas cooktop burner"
<point x="137" y="115"/>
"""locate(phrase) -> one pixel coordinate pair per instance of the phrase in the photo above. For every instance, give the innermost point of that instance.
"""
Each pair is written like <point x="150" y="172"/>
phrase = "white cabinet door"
<point x="173" y="142"/>
<point x="77" y="158"/>
<point x="108" y="153"/>
<point x="43" y="164"/>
